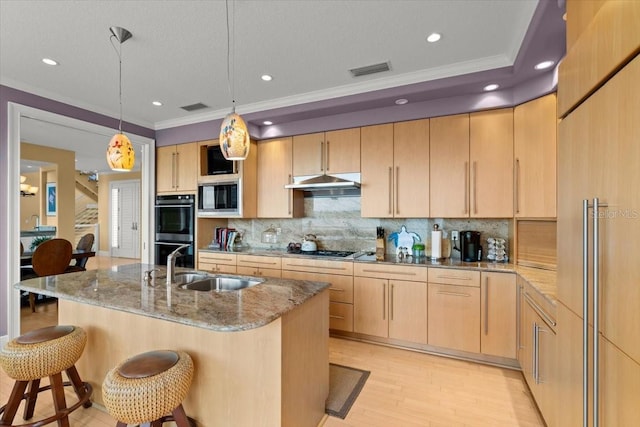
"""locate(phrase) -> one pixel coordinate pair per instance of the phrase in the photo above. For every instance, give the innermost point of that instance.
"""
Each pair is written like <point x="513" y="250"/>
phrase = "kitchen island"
<point x="260" y="354"/>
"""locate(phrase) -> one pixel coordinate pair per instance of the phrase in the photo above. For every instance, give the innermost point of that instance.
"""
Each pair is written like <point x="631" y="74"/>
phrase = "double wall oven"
<point x="175" y="226"/>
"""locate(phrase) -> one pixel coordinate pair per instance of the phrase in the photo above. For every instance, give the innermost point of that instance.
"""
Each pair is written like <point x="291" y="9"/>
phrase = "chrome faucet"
<point x="37" y="220"/>
<point x="171" y="263"/>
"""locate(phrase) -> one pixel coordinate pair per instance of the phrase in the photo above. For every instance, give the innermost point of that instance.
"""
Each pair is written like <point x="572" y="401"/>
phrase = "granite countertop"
<point x="543" y="281"/>
<point x="123" y="288"/>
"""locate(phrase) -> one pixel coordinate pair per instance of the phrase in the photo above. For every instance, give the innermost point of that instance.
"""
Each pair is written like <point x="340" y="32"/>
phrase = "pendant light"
<point x="234" y="135"/>
<point x="120" y="153"/>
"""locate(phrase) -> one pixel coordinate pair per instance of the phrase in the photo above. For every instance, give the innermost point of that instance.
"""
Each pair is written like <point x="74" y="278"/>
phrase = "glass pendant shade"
<point x="120" y="153"/>
<point x="22" y="179"/>
<point x="234" y="138"/>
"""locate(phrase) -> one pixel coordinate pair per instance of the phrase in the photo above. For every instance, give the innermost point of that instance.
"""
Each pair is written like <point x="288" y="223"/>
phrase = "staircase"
<point x="86" y="221"/>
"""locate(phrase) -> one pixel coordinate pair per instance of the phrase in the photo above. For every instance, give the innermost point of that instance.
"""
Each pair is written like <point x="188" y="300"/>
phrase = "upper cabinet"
<point x="491" y="163"/>
<point x="449" y="195"/>
<point x="535" y="158"/>
<point x="472" y="165"/>
<point x="327" y="152"/>
<point x="177" y="168"/>
<point x="395" y="170"/>
<point x="275" y="170"/>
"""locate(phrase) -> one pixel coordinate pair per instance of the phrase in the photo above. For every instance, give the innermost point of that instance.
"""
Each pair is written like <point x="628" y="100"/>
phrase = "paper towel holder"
<point x="436" y="243"/>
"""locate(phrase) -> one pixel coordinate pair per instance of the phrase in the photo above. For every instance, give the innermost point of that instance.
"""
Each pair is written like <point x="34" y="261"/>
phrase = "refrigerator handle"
<point x="585" y="312"/>
<point x="596" y="311"/>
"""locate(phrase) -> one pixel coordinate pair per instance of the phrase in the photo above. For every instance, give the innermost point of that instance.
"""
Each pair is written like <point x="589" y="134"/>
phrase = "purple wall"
<point x="7" y="95"/>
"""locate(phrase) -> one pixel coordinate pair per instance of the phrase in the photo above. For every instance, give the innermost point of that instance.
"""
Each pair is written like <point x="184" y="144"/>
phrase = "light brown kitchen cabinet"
<point x="390" y="301"/>
<point x="217" y="262"/>
<point x="449" y="166"/>
<point x="498" y="302"/>
<point x="395" y="170"/>
<point x="177" y="168"/>
<point x="472" y="165"/>
<point x="327" y="152"/>
<point x="339" y="274"/>
<point x="538" y="355"/>
<point x="257" y="265"/>
<point x="275" y="170"/>
<point x="534" y="144"/>
<point x="454" y="309"/>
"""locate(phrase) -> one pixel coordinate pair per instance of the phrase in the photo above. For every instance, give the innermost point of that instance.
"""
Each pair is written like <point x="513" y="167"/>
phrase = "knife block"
<point x="380" y="249"/>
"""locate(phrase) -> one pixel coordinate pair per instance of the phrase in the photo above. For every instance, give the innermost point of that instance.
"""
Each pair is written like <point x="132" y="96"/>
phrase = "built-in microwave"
<point x="219" y="199"/>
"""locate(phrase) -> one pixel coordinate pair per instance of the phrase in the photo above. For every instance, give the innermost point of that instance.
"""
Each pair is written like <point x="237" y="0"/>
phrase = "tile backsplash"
<point x="338" y="226"/>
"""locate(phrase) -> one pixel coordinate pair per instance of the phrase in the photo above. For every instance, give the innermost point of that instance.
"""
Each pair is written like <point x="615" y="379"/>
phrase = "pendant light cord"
<point x="119" y="53"/>
<point x="230" y="86"/>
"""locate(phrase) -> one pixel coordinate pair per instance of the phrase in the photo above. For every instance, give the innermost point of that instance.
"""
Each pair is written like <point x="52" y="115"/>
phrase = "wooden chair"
<point x="50" y="258"/>
<point x="84" y="244"/>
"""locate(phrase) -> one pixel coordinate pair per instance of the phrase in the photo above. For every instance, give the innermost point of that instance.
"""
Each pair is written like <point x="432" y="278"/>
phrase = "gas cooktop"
<point x="327" y="253"/>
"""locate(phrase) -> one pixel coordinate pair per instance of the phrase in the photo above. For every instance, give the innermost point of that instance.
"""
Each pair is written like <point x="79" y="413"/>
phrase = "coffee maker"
<point x="470" y="250"/>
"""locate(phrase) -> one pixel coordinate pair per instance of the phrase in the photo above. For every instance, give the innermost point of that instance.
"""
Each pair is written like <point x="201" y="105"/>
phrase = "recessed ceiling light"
<point x="544" y="65"/>
<point x="266" y="77"/>
<point x="491" y="87"/>
<point x="157" y="103"/>
<point x="49" y="61"/>
<point x="433" y="37"/>
<point x="401" y="101"/>
<point x="267" y="122"/>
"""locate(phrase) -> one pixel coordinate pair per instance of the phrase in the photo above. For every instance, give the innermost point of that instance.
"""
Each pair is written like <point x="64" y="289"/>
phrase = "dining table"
<point x="25" y="258"/>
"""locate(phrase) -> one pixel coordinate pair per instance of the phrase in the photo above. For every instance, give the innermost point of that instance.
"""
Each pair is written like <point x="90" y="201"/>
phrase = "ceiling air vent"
<point x="194" y="107"/>
<point x="370" y="69"/>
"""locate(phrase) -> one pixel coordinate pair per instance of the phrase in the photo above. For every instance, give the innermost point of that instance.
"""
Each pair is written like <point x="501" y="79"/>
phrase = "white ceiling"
<point x="178" y="53"/>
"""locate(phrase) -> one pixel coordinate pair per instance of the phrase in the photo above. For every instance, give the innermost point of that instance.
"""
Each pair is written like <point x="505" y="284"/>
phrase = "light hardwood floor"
<point x="405" y="388"/>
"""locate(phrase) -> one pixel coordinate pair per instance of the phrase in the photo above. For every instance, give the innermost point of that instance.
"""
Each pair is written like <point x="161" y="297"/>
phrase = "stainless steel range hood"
<point x="338" y="185"/>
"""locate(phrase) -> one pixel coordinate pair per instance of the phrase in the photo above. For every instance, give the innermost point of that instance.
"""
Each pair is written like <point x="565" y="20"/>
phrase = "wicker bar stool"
<point x="41" y="353"/>
<point x="148" y="387"/>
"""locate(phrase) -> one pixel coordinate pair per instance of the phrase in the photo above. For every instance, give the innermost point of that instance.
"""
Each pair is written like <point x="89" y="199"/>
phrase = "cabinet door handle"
<point x="321" y="155"/>
<point x="390" y="190"/>
<point x="596" y="311"/>
<point x="173" y="170"/>
<point x="400" y="273"/>
<point x="453" y="294"/>
<point x="177" y="170"/>
<point x="290" y="197"/>
<point x="397" y="187"/>
<point x="453" y="277"/>
<point x="475" y="187"/>
<point x="336" y="289"/>
<point x="391" y="303"/>
<point x="328" y="151"/>
<point x="539" y="310"/>
<point x="240" y="261"/>
<point x="333" y="316"/>
<point x="384" y="301"/>
<point x="517" y="185"/>
<point x="466" y="187"/>
<point x="486" y="305"/>
<point x="534" y="356"/>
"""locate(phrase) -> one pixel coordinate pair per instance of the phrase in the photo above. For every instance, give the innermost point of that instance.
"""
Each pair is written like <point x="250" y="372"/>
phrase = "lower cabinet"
<point x="388" y="307"/>
<point x="339" y="274"/>
<point x="537" y="353"/>
<point x="217" y="262"/>
<point x="454" y="309"/>
<point x="498" y="294"/>
<point x="261" y="266"/>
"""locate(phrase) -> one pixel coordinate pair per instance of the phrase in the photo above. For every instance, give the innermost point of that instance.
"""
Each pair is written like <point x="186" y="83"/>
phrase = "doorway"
<point x="124" y="219"/>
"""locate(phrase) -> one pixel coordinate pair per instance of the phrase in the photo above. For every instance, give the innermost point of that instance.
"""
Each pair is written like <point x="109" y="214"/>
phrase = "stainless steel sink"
<point x="218" y="284"/>
<point x="189" y="277"/>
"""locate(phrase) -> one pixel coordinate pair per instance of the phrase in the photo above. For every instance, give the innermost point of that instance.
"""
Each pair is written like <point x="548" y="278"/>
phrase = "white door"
<point x="125" y="217"/>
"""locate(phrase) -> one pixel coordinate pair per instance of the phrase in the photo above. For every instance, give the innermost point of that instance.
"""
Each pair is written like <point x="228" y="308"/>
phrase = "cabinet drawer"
<point x="341" y="316"/>
<point x="341" y="289"/>
<point x="260" y="261"/>
<point x="217" y="268"/>
<point x="454" y="317"/>
<point x="392" y="272"/>
<point x="217" y="258"/>
<point x="449" y="276"/>
<point x="318" y="266"/>
<point x="259" y="271"/>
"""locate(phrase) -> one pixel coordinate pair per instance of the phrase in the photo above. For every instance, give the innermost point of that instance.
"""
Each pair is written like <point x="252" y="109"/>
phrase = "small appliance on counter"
<point x="470" y="250"/>
<point x="270" y="235"/>
<point x="309" y="243"/>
